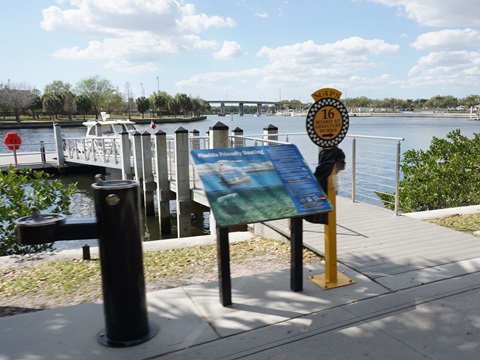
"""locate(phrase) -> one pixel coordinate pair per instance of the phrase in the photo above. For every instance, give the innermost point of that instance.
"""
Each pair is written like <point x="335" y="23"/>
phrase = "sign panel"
<point x="258" y="183"/>
<point x="327" y="122"/>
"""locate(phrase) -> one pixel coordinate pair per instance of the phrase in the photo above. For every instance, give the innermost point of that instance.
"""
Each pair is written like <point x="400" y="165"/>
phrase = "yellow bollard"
<point x="332" y="278"/>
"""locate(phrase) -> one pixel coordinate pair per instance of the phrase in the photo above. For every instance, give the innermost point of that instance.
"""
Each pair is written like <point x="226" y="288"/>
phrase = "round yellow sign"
<point x="327" y="122"/>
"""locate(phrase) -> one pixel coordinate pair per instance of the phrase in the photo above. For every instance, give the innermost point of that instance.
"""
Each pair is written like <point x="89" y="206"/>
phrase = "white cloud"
<point x="437" y="12"/>
<point x="128" y="33"/>
<point x="261" y="15"/>
<point x="448" y="40"/>
<point x="353" y="51"/>
<point x="301" y="65"/>
<point x="444" y="62"/>
<point x="230" y="49"/>
<point x="446" y="70"/>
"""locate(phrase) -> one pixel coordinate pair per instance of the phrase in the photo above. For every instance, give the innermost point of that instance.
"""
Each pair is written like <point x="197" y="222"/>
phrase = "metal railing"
<point x="105" y="150"/>
<point x="374" y="163"/>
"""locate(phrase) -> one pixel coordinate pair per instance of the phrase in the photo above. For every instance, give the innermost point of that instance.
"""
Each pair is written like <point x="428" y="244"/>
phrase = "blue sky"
<point x="247" y="49"/>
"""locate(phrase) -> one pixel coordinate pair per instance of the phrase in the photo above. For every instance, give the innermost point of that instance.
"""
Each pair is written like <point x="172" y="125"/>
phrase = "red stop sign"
<point x="12" y="140"/>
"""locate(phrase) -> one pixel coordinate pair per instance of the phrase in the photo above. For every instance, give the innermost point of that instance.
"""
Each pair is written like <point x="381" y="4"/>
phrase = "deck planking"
<point x="374" y="242"/>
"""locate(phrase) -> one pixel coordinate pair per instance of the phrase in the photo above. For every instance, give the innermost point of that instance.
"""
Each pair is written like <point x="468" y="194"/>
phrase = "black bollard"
<point x="86" y="252"/>
<point x="121" y="258"/>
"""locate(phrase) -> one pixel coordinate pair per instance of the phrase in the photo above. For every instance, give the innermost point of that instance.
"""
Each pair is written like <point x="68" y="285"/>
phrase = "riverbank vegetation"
<point x="444" y="176"/>
<point x="93" y="95"/>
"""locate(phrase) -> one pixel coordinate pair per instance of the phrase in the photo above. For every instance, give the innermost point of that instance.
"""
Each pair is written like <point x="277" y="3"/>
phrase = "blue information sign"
<point x="258" y="183"/>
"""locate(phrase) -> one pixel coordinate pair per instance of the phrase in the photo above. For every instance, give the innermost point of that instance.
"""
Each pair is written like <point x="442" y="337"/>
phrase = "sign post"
<point x="13" y="141"/>
<point x="327" y="125"/>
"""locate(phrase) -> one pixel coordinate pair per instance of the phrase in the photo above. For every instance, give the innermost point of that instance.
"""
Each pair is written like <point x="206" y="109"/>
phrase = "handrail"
<point x="394" y="163"/>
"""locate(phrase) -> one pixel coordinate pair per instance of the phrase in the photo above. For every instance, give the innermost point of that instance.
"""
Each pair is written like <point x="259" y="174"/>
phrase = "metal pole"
<point x="354" y="168"/>
<point x="397" y="178"/>
<point x="296" y="254"/>
<point x="42" y="152"/>
<point x="223" y="256"/>
<point x="120" y="245"/>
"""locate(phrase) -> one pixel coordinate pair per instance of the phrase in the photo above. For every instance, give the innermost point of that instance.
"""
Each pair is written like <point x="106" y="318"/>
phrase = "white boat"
<point x="102" y="139"/>
<point x="105" y="127"/>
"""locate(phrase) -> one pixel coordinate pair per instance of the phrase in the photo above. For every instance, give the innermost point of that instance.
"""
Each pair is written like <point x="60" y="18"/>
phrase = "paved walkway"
<point x="415" y="297"/>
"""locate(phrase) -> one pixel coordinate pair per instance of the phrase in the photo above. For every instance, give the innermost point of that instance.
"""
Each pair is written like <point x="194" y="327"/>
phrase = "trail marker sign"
<point x="327" y="119"/>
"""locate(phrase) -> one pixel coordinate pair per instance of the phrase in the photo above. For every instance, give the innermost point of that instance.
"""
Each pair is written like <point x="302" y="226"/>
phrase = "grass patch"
<point x="64" y="280"/>
<point x="465" y="223"/>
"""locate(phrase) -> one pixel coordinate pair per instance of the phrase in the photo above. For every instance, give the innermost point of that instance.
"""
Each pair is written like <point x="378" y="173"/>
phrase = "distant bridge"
<point x="259" y="104"/>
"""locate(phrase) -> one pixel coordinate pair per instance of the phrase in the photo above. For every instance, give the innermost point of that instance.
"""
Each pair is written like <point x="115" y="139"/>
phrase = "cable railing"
<point x="373" y="161"/>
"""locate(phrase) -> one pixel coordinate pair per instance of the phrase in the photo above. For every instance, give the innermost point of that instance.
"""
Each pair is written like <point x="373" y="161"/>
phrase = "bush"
<point x="446" y="175"/>
<point x="20" y="190"/>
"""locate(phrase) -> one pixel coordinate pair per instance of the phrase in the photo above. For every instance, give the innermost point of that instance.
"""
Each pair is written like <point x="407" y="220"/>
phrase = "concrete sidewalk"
<point x="440" y="320"/>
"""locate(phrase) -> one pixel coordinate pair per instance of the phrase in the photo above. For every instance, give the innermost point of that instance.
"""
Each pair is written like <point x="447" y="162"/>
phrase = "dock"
<point x="29" y="160"/>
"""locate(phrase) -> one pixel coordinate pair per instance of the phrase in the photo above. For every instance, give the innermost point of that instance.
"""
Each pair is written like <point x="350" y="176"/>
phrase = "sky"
<point x="266" y="50"/>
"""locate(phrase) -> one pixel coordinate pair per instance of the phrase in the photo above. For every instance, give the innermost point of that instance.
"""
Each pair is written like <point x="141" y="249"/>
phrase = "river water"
<point x="417" y="133"/>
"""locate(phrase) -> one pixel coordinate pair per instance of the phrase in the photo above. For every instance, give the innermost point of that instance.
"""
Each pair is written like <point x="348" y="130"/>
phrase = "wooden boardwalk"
<point x="374" y="242"/>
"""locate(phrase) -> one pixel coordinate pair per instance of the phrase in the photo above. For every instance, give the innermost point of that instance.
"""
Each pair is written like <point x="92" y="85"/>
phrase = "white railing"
<point x="99" y="150"/>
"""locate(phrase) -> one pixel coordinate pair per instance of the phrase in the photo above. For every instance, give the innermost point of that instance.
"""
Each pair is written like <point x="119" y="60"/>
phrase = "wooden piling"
<point x="57" y="132"/>
<point x="164" y="194"/>
<point x="184" y="202"/>
<point x="148" y="182"/>
<point x="270" y="132"/>
<point x="126" y="150"/>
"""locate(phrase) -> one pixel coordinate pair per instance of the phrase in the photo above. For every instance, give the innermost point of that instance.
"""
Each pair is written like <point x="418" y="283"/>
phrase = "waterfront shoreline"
<point x="468" y="116"/>
<point x="37" y="124"/>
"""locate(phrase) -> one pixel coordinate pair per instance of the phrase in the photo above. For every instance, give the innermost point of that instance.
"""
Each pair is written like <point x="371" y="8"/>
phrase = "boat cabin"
<point x="97" y="128"/>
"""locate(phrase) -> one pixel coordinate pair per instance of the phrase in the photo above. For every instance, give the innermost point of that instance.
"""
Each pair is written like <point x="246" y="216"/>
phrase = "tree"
<point x="55" y="97"/>
<point x="16" y="97"/>
<point x="36" y="103"/>
<point x="200" y="106"/>
<point x="114" y="103"/>
<point x="470" y="101"/>
<point x="84" y="105"/>
<point x="446" y="175"/>
<point x="20" y="190"/>
<point x="69" y="105"/>
<point x="97" y="89"/>
<point x="143" y="104"/>
<point x="174" y="106"/>
<point x="161" y="101"/>
<point x="184" y="103"/>
<point x="53" y="104"/>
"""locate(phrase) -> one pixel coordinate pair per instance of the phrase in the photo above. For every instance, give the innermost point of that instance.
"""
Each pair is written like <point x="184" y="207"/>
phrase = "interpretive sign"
<point x="258" y="183"/>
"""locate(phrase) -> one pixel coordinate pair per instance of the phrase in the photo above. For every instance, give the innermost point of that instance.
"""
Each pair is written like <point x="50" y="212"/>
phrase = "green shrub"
<point x="446" y="175"/>
<point x="20" y="190"/>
